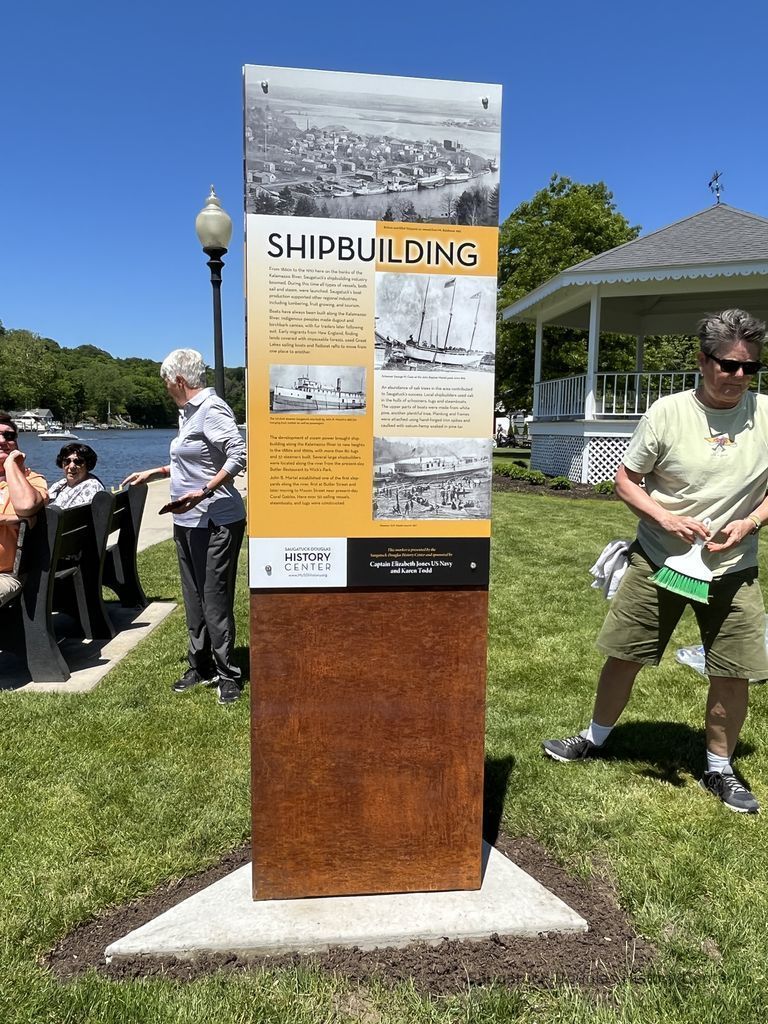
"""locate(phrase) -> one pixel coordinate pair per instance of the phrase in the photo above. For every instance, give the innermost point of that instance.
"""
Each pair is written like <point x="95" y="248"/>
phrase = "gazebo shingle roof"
<point x="718" y="234"/>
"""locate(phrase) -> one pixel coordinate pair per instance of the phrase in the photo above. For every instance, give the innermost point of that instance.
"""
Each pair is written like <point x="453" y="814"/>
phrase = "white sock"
<point x="598" y="734"/>
<point x="715" y="763"/>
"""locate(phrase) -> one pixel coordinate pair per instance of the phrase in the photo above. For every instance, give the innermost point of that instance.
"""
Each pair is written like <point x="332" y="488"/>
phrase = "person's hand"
<point x="15" y="456"/>
<point x="187" y="501"/>
<point x="137" y="478"/>
<point x="735" y="533"/>
<point x="685" y="528"/>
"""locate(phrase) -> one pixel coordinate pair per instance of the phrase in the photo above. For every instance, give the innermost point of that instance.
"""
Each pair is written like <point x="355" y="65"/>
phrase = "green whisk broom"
<point x="686" y="574"/>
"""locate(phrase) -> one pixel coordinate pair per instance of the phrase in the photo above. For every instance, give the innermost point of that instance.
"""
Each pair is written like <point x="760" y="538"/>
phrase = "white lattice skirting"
<point x="568" y="455"/>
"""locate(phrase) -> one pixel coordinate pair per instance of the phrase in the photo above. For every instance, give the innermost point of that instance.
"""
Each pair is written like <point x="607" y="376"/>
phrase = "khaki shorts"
<point x="642" y="618"/>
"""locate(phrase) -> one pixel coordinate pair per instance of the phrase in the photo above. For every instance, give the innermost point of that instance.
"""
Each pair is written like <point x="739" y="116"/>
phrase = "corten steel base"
<point x="368" y="713"/>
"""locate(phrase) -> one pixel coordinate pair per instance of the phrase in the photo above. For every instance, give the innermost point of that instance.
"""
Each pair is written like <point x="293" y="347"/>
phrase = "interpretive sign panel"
<point x="371" y="247"/>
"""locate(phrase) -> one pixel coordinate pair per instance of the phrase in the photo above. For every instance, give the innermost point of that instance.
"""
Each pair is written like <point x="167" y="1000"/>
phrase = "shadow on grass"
<point x="675" y="750"/>
<point x="497" y="773"/>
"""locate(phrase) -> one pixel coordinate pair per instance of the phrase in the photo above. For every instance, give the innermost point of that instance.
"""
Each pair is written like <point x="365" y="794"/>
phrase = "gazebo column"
<point x="537" y="353"/>
<point x="590" y="402"/>
<point x="590" y="398"/>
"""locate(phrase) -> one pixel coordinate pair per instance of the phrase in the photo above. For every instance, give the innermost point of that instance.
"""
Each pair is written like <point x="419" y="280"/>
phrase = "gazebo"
<point x="660" y="283"/>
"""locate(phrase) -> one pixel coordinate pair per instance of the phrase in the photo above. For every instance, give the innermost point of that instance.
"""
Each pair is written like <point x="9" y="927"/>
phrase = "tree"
<point x="562" y="224"/>
<point x="288" y="199"/>
<point x="305" y="207"/>
<point x="472" y="207"/>
<point x="27" y="368"/>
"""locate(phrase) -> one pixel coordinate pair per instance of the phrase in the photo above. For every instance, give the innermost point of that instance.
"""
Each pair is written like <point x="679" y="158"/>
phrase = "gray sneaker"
<point x="229" y="691"/>
<point x="572" y="748"/>
<point x="733" y="793"/>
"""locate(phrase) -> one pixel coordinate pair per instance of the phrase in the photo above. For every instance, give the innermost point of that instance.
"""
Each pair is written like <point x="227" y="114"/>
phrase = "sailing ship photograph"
<point x="435" y="322"/>
<point x="431" y="478"/>
<point x="317" y="389"/>
<point x="360" y="147"/>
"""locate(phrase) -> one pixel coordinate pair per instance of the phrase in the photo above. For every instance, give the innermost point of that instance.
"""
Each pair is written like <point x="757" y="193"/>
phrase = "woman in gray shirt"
<point x="208" y="520"/>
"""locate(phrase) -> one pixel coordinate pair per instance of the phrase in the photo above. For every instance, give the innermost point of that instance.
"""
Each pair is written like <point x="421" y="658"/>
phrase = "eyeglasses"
<point x="734" y="365"/>
<point x="74" y="460"/>
<point x="8" y="435"/>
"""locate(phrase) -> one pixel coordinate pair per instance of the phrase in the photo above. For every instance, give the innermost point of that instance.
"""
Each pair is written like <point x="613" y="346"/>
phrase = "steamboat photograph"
<point x="317" y="389"/>
<point x="435" y="322"/>
<point x="431" y="478"/>
<point x="332" y="144"/>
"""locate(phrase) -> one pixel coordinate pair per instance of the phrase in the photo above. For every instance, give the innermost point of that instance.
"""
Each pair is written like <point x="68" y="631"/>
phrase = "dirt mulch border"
<point x="508" y="483"/>
<point x="610" y="952"/>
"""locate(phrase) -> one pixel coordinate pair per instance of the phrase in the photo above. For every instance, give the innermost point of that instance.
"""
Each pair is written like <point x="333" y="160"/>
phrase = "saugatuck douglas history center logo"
<point x="308" y="562"/>
<point x="304" y="560"/>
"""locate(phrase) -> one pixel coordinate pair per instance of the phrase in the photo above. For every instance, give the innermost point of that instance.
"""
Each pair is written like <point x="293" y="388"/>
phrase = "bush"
<point x="560" y="483"/>
<point x="605" y="487"/>
<point x="511" y="470"/>
<point x="534" y="476"/>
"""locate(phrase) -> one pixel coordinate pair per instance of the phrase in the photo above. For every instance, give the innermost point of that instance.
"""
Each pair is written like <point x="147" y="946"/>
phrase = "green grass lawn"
<point x="107" y="795"/>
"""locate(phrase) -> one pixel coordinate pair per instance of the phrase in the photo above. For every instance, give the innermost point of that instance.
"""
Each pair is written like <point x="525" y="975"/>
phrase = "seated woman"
<point x="78" y="486"/>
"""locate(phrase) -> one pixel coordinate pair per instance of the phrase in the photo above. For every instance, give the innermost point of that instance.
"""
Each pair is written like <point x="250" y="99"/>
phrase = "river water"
<point x="120" y="452"/>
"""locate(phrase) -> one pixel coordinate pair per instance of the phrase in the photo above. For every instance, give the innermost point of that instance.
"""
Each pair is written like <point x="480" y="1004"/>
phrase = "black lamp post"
<point x="214" y="229"/>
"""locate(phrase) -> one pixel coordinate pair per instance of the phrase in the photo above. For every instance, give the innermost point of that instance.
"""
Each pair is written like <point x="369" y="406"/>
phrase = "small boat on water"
<point x="402" y="186"/>
<point x="369" y="190"/>
<point x="453" y="179"/>
<point x="432" y="181"/>
<point x="58" y="435"/>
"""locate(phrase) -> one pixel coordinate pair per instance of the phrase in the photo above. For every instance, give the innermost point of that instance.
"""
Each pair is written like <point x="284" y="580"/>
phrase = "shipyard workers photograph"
<point x="696" y="457"/>
<point x="208" y="521"/>
<point x="435" y="322"/>
<point x="431" y="478"/>
<point x="361" y="147"/>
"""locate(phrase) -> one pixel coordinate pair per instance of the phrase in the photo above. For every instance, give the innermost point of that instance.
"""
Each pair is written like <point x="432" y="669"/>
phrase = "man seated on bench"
<point x="22" y="495"/>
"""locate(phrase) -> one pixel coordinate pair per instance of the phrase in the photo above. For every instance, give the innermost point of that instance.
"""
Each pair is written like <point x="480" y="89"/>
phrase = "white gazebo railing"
<point x="561" y="399"/>
<point x="617" y="395"/>
<point x="631" y="394"/>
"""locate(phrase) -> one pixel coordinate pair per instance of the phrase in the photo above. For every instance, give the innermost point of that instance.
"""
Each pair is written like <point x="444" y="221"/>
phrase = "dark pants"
<point x="208" y="566"/>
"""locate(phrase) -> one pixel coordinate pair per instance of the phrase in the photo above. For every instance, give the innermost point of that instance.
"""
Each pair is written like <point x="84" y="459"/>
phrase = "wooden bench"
<point x="122" y="524"/>
<point x="62" y="568"/>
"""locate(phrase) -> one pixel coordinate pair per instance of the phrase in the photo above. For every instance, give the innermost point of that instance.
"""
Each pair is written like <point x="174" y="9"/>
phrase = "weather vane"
<point x="716" y="187"/>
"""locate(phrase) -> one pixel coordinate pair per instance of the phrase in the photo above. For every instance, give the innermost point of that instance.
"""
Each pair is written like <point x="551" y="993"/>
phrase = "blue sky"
<point x="115" y="119"/>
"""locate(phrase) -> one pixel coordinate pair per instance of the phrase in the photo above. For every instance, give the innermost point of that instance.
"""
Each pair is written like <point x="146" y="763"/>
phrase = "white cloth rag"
<point x="610" y="567"/>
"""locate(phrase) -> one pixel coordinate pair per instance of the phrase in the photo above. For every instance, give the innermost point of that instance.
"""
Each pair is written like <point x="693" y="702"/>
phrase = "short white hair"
<point x="186" y="363"/>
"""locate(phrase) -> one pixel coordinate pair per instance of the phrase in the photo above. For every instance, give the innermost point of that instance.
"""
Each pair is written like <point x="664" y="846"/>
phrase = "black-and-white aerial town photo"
<point x="362" y="147"/>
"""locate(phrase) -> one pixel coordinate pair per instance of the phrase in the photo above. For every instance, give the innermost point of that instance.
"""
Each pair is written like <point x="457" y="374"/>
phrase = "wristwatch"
<point x="758" y="524"/>
<point x="206" y="490"/>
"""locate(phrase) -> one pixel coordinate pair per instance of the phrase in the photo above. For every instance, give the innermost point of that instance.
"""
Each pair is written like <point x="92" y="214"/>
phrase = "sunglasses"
<point x="74" y="460"/>
<point x="8" y="435"/>
<point x="734" y="365"/>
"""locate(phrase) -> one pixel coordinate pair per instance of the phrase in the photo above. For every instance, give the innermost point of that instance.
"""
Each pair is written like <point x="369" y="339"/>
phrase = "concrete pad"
<point x="89" y="660"/>
<point x="224" y="919"/>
